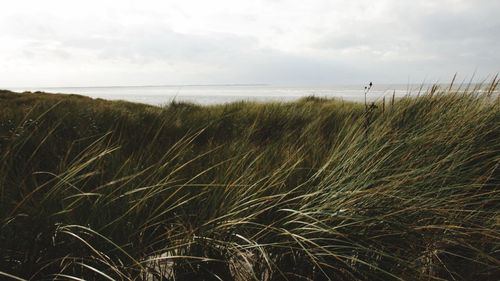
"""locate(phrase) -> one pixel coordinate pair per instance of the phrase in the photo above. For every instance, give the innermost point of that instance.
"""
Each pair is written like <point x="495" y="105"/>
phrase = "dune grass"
<point x="100" y="190"/>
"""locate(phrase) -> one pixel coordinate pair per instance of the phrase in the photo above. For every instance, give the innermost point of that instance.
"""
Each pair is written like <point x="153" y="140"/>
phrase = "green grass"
<point x="103" y="190"/>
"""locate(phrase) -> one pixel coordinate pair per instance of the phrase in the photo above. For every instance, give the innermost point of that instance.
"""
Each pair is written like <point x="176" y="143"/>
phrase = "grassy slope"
<point x="97" y="189"/>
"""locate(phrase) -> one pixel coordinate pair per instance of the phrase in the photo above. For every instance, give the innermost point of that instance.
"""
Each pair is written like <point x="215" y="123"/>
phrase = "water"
<point x="217" y="94"/>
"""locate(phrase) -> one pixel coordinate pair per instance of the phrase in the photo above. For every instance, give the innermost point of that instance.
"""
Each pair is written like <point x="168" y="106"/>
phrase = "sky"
<point x="281" y="42"/>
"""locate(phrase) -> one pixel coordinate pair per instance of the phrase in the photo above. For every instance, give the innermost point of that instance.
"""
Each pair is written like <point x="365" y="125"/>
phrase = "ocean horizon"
<point x="225" y="93"/>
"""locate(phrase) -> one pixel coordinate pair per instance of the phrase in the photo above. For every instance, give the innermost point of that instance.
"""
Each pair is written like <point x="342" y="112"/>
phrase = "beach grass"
<point x="308" y="190"/>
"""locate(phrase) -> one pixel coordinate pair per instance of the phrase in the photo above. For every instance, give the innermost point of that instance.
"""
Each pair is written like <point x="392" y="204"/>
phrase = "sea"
<point x="220" y="94"/>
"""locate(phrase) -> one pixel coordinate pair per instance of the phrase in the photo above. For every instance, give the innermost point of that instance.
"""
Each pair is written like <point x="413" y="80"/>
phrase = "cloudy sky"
<point x="281" y="42"/>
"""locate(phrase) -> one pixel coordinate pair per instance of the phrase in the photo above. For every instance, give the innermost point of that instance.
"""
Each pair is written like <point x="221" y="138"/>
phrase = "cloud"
<point x="222" y="41"/>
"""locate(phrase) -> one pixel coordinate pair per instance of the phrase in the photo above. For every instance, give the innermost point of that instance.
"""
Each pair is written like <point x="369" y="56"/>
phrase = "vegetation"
<point x="100" y="190"/>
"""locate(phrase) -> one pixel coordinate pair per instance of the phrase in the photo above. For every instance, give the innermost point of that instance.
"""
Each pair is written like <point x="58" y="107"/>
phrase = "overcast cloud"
<point x="102" y="42"/>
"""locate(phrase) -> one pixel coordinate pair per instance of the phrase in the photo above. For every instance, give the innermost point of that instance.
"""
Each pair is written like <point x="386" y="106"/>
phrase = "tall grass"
<point x="99" y="190"/>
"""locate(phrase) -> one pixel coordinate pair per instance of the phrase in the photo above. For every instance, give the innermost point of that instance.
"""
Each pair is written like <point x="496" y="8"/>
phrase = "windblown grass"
<point x="99" y="190"/>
